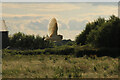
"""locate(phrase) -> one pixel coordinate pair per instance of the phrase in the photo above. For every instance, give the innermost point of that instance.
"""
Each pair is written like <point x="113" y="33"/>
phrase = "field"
<point x="58" y="66"/>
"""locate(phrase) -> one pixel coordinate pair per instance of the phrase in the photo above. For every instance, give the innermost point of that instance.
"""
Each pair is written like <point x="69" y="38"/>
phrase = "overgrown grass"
<point x="78" y="51"/>
<point x="61" y="62"/>
<point x="61" y="50"/>
<point x="58" y="66"/>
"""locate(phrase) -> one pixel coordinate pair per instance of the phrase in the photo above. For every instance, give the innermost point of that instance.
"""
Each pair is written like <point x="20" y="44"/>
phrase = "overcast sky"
<point x="33" y="18"/>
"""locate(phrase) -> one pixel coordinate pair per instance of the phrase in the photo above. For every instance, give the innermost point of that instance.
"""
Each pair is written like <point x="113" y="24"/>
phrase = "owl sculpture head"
<point x="53" y="27"/>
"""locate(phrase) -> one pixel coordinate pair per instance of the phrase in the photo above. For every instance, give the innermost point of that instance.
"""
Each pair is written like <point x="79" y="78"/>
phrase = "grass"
<point x="58" y="66"/>
<point x="78" y="51"/>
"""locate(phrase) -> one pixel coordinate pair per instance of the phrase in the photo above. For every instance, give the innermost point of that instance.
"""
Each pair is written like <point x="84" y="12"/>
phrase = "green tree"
<point x="101" y="33"/>
<point x="82" y="38"/>
<point x="21" y="41"/>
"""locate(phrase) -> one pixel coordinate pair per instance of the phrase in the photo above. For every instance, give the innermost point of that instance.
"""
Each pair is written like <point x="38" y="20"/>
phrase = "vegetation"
<point x="94" y="54"/>
<point x="101" y="33"/>
<point x="78" y="51"/>
<point x="21" y="41"/>
<point x="58" y="66"/>
<point x="101" y="36"/>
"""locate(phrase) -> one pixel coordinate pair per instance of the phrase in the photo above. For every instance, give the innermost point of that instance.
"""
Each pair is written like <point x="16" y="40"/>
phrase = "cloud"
<point x="51" y="7"/>
<point x="33" y="18"/>
<point x="69" y="34"/>
<point x="62" y="25"/>
<point x="43" y="25"/>
<point x="98" y="10"/>
<point x="76" y="25"/>
<point x="78" y="11"/>
<point x="28" y="15"/>
<point x="25" y="17"/>
<point x="36" y="28"/>
<point x="104" y="3"/>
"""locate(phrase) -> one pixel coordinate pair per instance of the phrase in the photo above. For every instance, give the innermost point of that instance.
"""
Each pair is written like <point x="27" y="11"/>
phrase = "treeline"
<point x="101" y="33"/>
<point x="100" y="37"/>
<point x="22" y="41"/>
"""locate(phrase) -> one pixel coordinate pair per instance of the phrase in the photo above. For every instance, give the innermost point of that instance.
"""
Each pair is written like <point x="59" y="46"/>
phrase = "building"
<point x="3" y="35"/>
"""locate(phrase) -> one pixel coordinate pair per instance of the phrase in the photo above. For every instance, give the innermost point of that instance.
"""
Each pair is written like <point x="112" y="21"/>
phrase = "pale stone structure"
<point x="53" y="28"/>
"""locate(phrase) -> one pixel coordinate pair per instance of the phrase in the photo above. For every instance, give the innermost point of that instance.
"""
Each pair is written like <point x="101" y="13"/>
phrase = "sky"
<point x="33" y="18"/>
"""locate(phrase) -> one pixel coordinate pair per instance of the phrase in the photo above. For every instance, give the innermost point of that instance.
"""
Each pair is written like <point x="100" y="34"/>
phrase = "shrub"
<point x="101" y="33"/>
<point x="21" y="41"/>
<point x="61" y="50"/>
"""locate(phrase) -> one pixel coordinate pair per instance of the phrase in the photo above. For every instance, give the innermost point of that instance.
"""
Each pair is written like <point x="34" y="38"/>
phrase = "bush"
<point x="81" y="51"/>
<point x="82" y="38"/>
<point x="61" y="50"/>
<point x="58" y="50"/>
<point x="77" y="51"/>
<point x="23" y="52"/>
<point x="101" y="33"/>
<point x="22" y="41"/>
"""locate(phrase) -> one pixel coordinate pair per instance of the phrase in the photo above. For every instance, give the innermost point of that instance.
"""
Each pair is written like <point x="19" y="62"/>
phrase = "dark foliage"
<point x="101" y="33"/>
<point x="22" y="41"/>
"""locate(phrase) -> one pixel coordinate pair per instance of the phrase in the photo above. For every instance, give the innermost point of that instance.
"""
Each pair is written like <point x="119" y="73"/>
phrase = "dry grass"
<point x="58" y="66"/>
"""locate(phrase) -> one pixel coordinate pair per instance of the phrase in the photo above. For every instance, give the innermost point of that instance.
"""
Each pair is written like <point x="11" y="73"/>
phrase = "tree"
<point x="101" y="33"/>
<point x="82" y="38"/>
<point x="21" y="41"/>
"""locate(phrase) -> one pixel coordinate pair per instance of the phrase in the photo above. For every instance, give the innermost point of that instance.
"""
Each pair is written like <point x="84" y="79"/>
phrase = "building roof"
<point x="3" y="26"/>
